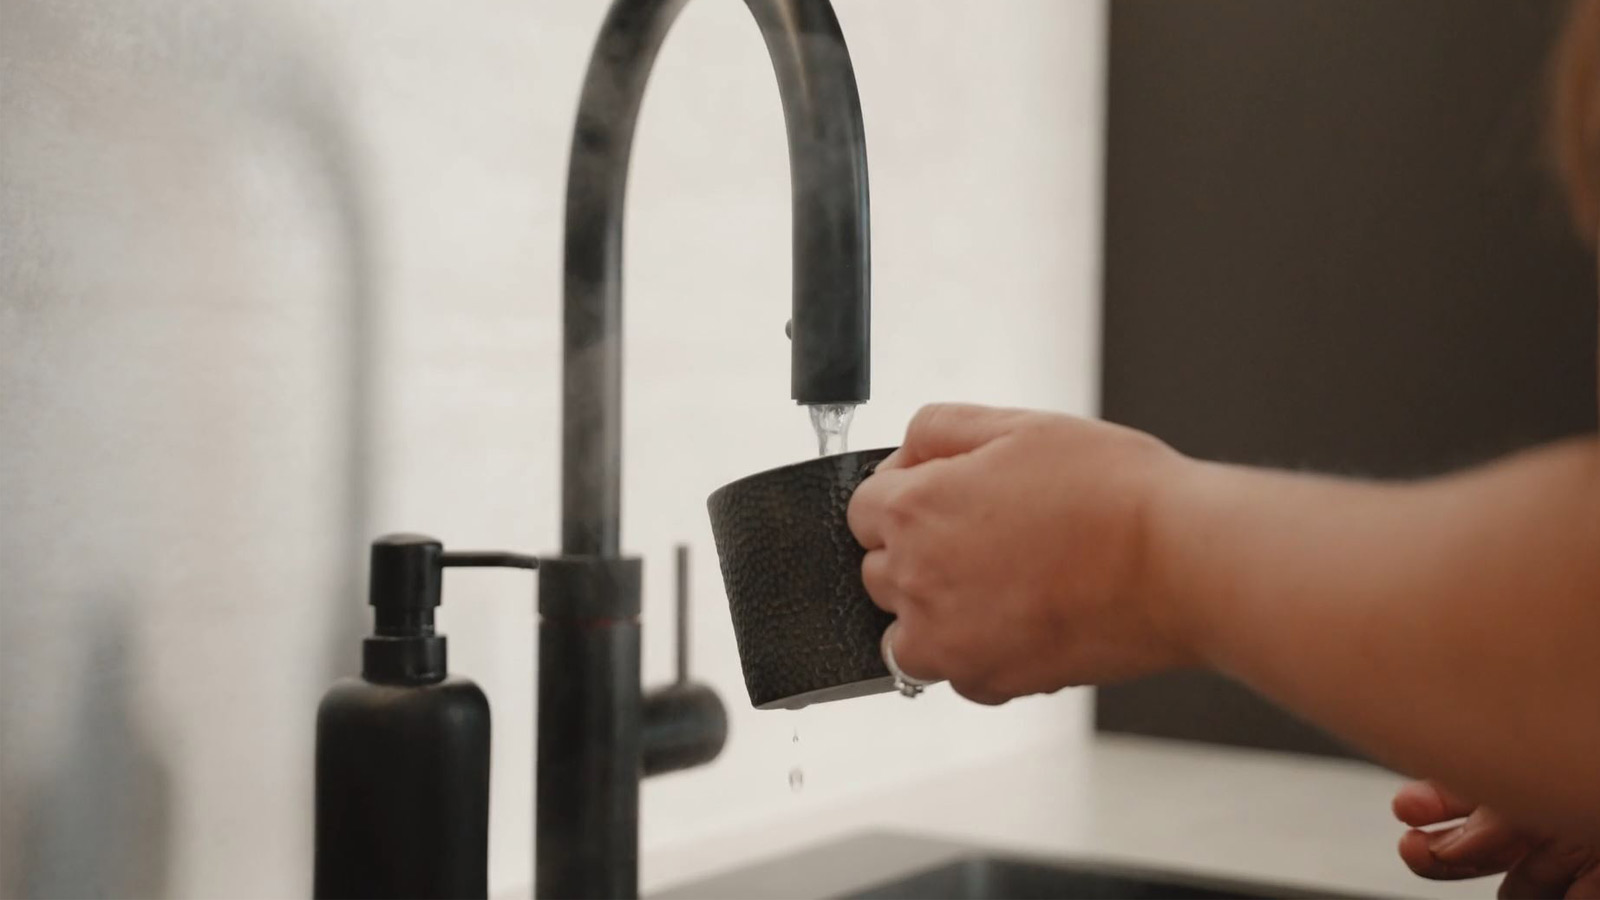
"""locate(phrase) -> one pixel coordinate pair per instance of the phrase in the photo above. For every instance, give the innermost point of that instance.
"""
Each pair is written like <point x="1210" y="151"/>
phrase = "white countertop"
<point x="1218" y="811"/>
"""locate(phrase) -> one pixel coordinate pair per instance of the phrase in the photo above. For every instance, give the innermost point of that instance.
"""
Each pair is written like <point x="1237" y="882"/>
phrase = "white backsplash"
<point x="195" y="193"/>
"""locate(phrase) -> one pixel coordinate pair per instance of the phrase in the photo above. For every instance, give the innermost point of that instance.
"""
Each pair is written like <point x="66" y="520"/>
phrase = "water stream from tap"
<point x="831" y="421"/>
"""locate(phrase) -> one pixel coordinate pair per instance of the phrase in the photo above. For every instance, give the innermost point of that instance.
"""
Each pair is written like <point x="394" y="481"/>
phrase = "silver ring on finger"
<point x="907" y="685"/>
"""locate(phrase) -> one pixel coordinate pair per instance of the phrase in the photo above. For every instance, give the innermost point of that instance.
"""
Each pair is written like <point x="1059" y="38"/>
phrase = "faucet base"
<point x="589" y="742"/>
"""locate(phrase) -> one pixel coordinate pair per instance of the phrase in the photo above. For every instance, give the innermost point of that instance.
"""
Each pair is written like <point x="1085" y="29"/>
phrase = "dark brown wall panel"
<point x="1332" y="243"/>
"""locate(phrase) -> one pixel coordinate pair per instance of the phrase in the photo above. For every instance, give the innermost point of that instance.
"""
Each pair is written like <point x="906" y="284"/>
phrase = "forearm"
<point x="1450" y="627"/>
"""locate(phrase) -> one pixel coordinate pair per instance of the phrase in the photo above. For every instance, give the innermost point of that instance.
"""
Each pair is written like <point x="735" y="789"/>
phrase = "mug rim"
<point x="816" y="460"/>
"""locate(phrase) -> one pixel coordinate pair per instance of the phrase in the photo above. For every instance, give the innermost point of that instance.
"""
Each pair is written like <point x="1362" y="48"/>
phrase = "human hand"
<point x="1010" y="546"/>
<point x="1483" y="843"/>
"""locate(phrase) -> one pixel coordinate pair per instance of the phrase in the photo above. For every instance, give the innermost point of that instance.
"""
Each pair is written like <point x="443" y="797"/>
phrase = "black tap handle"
<point x="681" y="596"/>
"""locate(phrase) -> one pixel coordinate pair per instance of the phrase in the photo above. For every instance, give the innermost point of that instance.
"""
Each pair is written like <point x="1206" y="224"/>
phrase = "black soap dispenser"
<point x="402" y="758"/>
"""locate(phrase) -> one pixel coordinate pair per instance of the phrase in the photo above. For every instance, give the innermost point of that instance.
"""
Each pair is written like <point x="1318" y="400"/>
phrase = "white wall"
<point x="193" y="193"/>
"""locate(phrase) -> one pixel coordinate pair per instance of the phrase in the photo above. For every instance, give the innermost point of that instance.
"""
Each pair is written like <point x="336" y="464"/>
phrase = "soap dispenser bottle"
<point x="402" y="753"/>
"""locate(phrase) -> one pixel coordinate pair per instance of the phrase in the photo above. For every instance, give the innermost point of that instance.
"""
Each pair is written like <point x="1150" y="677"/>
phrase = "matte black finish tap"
<point x="831" y="309"/>
<point x="597" y="735"/>
<point x="402" y="753"/>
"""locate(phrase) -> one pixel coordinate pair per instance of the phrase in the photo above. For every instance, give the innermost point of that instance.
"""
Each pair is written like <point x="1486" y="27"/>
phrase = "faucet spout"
<point x="831" y="314"/>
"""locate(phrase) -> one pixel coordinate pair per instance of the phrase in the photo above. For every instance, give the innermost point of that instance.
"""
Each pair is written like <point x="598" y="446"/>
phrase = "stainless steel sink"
<point x="887" y="866"/>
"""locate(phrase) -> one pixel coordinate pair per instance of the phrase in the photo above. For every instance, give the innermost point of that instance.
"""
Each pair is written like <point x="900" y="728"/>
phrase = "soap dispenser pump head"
<point x="406" y="571"/>
<point x="405" y="584"/>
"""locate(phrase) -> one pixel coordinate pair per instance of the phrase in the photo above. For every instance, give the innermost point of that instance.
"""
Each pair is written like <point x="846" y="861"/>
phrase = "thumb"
<point x="939" y="430"/>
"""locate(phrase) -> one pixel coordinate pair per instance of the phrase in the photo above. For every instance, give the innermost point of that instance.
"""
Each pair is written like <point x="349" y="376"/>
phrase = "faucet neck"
<point x="831" y="314"/>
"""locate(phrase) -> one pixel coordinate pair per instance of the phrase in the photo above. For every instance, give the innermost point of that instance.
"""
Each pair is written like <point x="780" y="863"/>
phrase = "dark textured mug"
<point x="806" y="629"/>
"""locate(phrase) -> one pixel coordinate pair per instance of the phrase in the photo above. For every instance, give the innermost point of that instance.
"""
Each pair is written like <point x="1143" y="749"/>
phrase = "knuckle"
<point x="903" y="506"/>
<point x="912" y="578"/>
<point x="931" y="416"/>
<point x="938" y="418"/>
<point x="1039" y="426"/>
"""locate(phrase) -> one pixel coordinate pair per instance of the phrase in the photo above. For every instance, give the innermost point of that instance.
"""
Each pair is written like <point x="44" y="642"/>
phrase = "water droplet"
<point x="796" y="738"/>
<point x="797" y="779"/>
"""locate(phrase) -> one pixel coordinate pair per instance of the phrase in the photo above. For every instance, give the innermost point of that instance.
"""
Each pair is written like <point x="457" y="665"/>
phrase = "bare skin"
<point x="1536" y="863"/>
<point x="1449" y="627"/>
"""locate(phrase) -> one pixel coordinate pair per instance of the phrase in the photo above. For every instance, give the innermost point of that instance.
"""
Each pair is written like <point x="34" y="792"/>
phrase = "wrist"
<point x="1183" y="541"/>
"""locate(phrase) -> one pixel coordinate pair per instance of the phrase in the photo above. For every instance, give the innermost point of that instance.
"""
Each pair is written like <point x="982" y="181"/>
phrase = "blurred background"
<point x="1333" y="241"/>
<point x="277" y="277"/>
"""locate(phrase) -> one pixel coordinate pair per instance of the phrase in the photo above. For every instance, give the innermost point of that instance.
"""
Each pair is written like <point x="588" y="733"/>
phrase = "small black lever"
<point x="685" y="724"/>
<point x="681" y="568"/>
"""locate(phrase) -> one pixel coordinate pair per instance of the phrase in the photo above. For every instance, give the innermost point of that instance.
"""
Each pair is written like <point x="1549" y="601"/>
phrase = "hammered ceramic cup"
<point x="807" y="631"/>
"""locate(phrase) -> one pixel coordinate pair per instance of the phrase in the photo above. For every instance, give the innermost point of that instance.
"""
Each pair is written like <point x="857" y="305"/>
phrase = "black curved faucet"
<point x="597" y="733"/>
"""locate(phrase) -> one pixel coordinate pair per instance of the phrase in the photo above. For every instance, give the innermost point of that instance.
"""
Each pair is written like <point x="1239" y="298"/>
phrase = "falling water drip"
<point x="831" y="421"/>
<point x="797" y="773"/>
